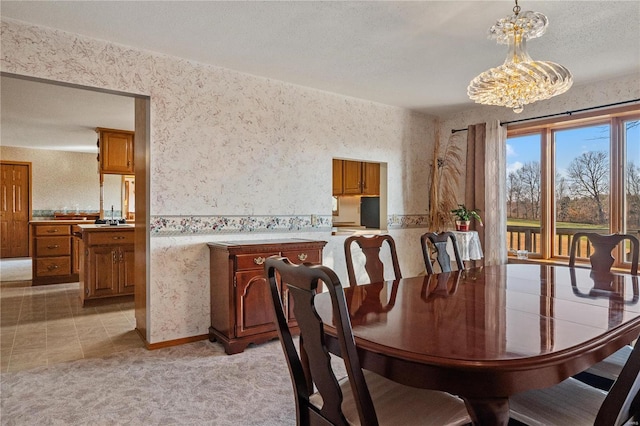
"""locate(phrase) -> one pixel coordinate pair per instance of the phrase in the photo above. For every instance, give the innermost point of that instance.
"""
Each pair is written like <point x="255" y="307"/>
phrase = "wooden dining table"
<point x="490" y="332"/>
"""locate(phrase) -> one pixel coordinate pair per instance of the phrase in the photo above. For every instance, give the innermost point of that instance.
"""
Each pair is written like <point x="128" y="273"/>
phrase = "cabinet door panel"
<point x="371" y="179"/>
<point x="337" y="177"/>
<point x="352" y="177"/>
<point x="103" y="280"/>
<point x="254" y="313"/>
<point x="116" y="152"/>
<point x="127" y="262"/>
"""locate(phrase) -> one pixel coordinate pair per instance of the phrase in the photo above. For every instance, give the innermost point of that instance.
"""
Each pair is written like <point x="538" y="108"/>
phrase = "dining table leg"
<point x="488" y="411"/>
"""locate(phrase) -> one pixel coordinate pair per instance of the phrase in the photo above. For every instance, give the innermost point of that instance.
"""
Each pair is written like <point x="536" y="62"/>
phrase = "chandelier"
<point x="519" y="80"/>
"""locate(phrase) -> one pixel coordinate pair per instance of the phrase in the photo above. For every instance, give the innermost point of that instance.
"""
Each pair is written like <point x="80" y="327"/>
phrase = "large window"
<point x="523" y="192"/>
<point x="569" y="176"/>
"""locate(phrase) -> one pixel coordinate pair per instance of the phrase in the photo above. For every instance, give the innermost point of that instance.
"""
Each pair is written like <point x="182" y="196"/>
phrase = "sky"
<point x="569" y="144"/>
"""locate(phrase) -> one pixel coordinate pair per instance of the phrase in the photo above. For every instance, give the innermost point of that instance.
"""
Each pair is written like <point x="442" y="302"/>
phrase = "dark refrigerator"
<point x="370" y="212"/>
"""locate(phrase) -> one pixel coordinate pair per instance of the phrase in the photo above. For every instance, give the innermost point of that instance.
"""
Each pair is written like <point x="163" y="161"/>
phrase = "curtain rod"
<point x="558" y="114"/>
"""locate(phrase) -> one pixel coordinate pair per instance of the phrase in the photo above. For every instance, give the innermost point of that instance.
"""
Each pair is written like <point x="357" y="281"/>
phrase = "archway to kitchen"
<point x="140" y="110"/>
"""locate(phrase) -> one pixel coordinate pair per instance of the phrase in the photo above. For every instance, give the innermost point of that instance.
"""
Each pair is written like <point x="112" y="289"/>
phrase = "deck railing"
<point x="528" y="238"/>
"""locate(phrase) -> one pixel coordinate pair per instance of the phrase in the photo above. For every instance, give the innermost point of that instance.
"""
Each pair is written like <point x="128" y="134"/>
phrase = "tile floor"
<point x="45" y="325"/>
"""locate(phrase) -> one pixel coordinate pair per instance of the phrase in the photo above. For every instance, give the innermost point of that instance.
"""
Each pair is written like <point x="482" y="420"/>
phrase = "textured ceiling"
<point x="418" y="55"/>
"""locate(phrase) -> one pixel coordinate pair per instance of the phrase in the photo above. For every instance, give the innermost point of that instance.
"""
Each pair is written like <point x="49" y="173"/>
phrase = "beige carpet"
<point x="192" y="384"/>
<point x="18" y="269"/>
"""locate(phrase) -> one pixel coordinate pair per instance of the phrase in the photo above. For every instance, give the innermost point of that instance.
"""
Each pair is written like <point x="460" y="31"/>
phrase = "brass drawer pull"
<point x="55" y="246"/>
<point x="118" y="237"/>
<point x="52" y="267"/>
<point x="302" y="257"/>
<point x="52" y="231"/>
<point x="259" y="260"/>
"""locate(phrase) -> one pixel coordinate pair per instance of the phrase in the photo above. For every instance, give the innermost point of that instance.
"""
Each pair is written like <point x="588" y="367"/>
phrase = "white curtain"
<point x="485" y="186"/>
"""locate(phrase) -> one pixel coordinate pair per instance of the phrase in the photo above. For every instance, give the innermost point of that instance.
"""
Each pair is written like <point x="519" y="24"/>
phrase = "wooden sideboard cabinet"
<point x="116" y="151"/>
<point x="241" y="307"/>
<point x="107" y="264"/>
<point x="54" y="252"/>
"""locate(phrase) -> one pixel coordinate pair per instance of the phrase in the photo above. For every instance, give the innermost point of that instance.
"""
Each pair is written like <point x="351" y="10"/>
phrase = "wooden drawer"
<point x="303" y="256"/>
<point x="109" y="238"/>
<point x="53" y="266"/>
<point x="252" y="261"/>
<point x="53" y="246"/>
<point x="53" y="230"/>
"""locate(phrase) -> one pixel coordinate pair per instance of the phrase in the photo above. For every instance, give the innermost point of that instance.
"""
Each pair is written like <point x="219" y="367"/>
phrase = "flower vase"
<point x="462" y="225"/>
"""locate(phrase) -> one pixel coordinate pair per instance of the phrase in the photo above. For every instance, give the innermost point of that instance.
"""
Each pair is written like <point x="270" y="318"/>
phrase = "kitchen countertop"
<point x="345" y="230"/>
<point x="60" y="221"/>
<point x="104" y="227"/>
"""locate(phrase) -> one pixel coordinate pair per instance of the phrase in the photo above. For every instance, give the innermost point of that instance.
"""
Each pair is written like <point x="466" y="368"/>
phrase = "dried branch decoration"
<point x="446" y="171"/>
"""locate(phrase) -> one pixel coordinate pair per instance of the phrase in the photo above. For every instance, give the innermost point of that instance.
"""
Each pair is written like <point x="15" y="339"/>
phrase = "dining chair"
<point x="437" y="242"/>
<point x="603" y="245"/>
<point x="572" y="402"/>
<point x="371" y="245"/>
<point x="362" y="397"/>
<point x="604" y="373"/>
<point x="612" y="287"/>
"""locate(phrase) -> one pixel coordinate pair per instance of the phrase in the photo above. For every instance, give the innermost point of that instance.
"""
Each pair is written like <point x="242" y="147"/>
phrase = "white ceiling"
<point x="418" y="55"/>
<point x="47" y="116"/>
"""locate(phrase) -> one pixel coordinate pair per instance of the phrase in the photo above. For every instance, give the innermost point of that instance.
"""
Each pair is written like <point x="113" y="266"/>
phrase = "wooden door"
<point x="15" y="212"/>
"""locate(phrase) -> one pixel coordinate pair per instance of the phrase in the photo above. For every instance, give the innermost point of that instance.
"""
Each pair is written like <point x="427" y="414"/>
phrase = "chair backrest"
<point x="622" y="403"/>
<point x="603" y="245"/>
<point x="370" y="245"/>
<point x="312" y="366"/>
<point x="439" y="243"/>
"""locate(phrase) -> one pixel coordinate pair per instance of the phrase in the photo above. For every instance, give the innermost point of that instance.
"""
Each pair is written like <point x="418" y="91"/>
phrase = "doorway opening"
<point x="137" y="206"/>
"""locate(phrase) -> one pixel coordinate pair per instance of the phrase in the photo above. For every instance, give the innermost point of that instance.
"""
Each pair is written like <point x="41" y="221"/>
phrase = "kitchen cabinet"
<point x="107" y="265"/>
<point x="115" y="151"/>
<point x="337" y="177"/>
<point x="370" y="178"/>
<point x="54" y="255"/>
<point x="356" y="178"/>
<point x="241" y="307"/>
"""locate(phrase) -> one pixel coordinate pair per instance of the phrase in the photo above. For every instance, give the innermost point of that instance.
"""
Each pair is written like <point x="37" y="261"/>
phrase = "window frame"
<point x="614" y="117"/>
